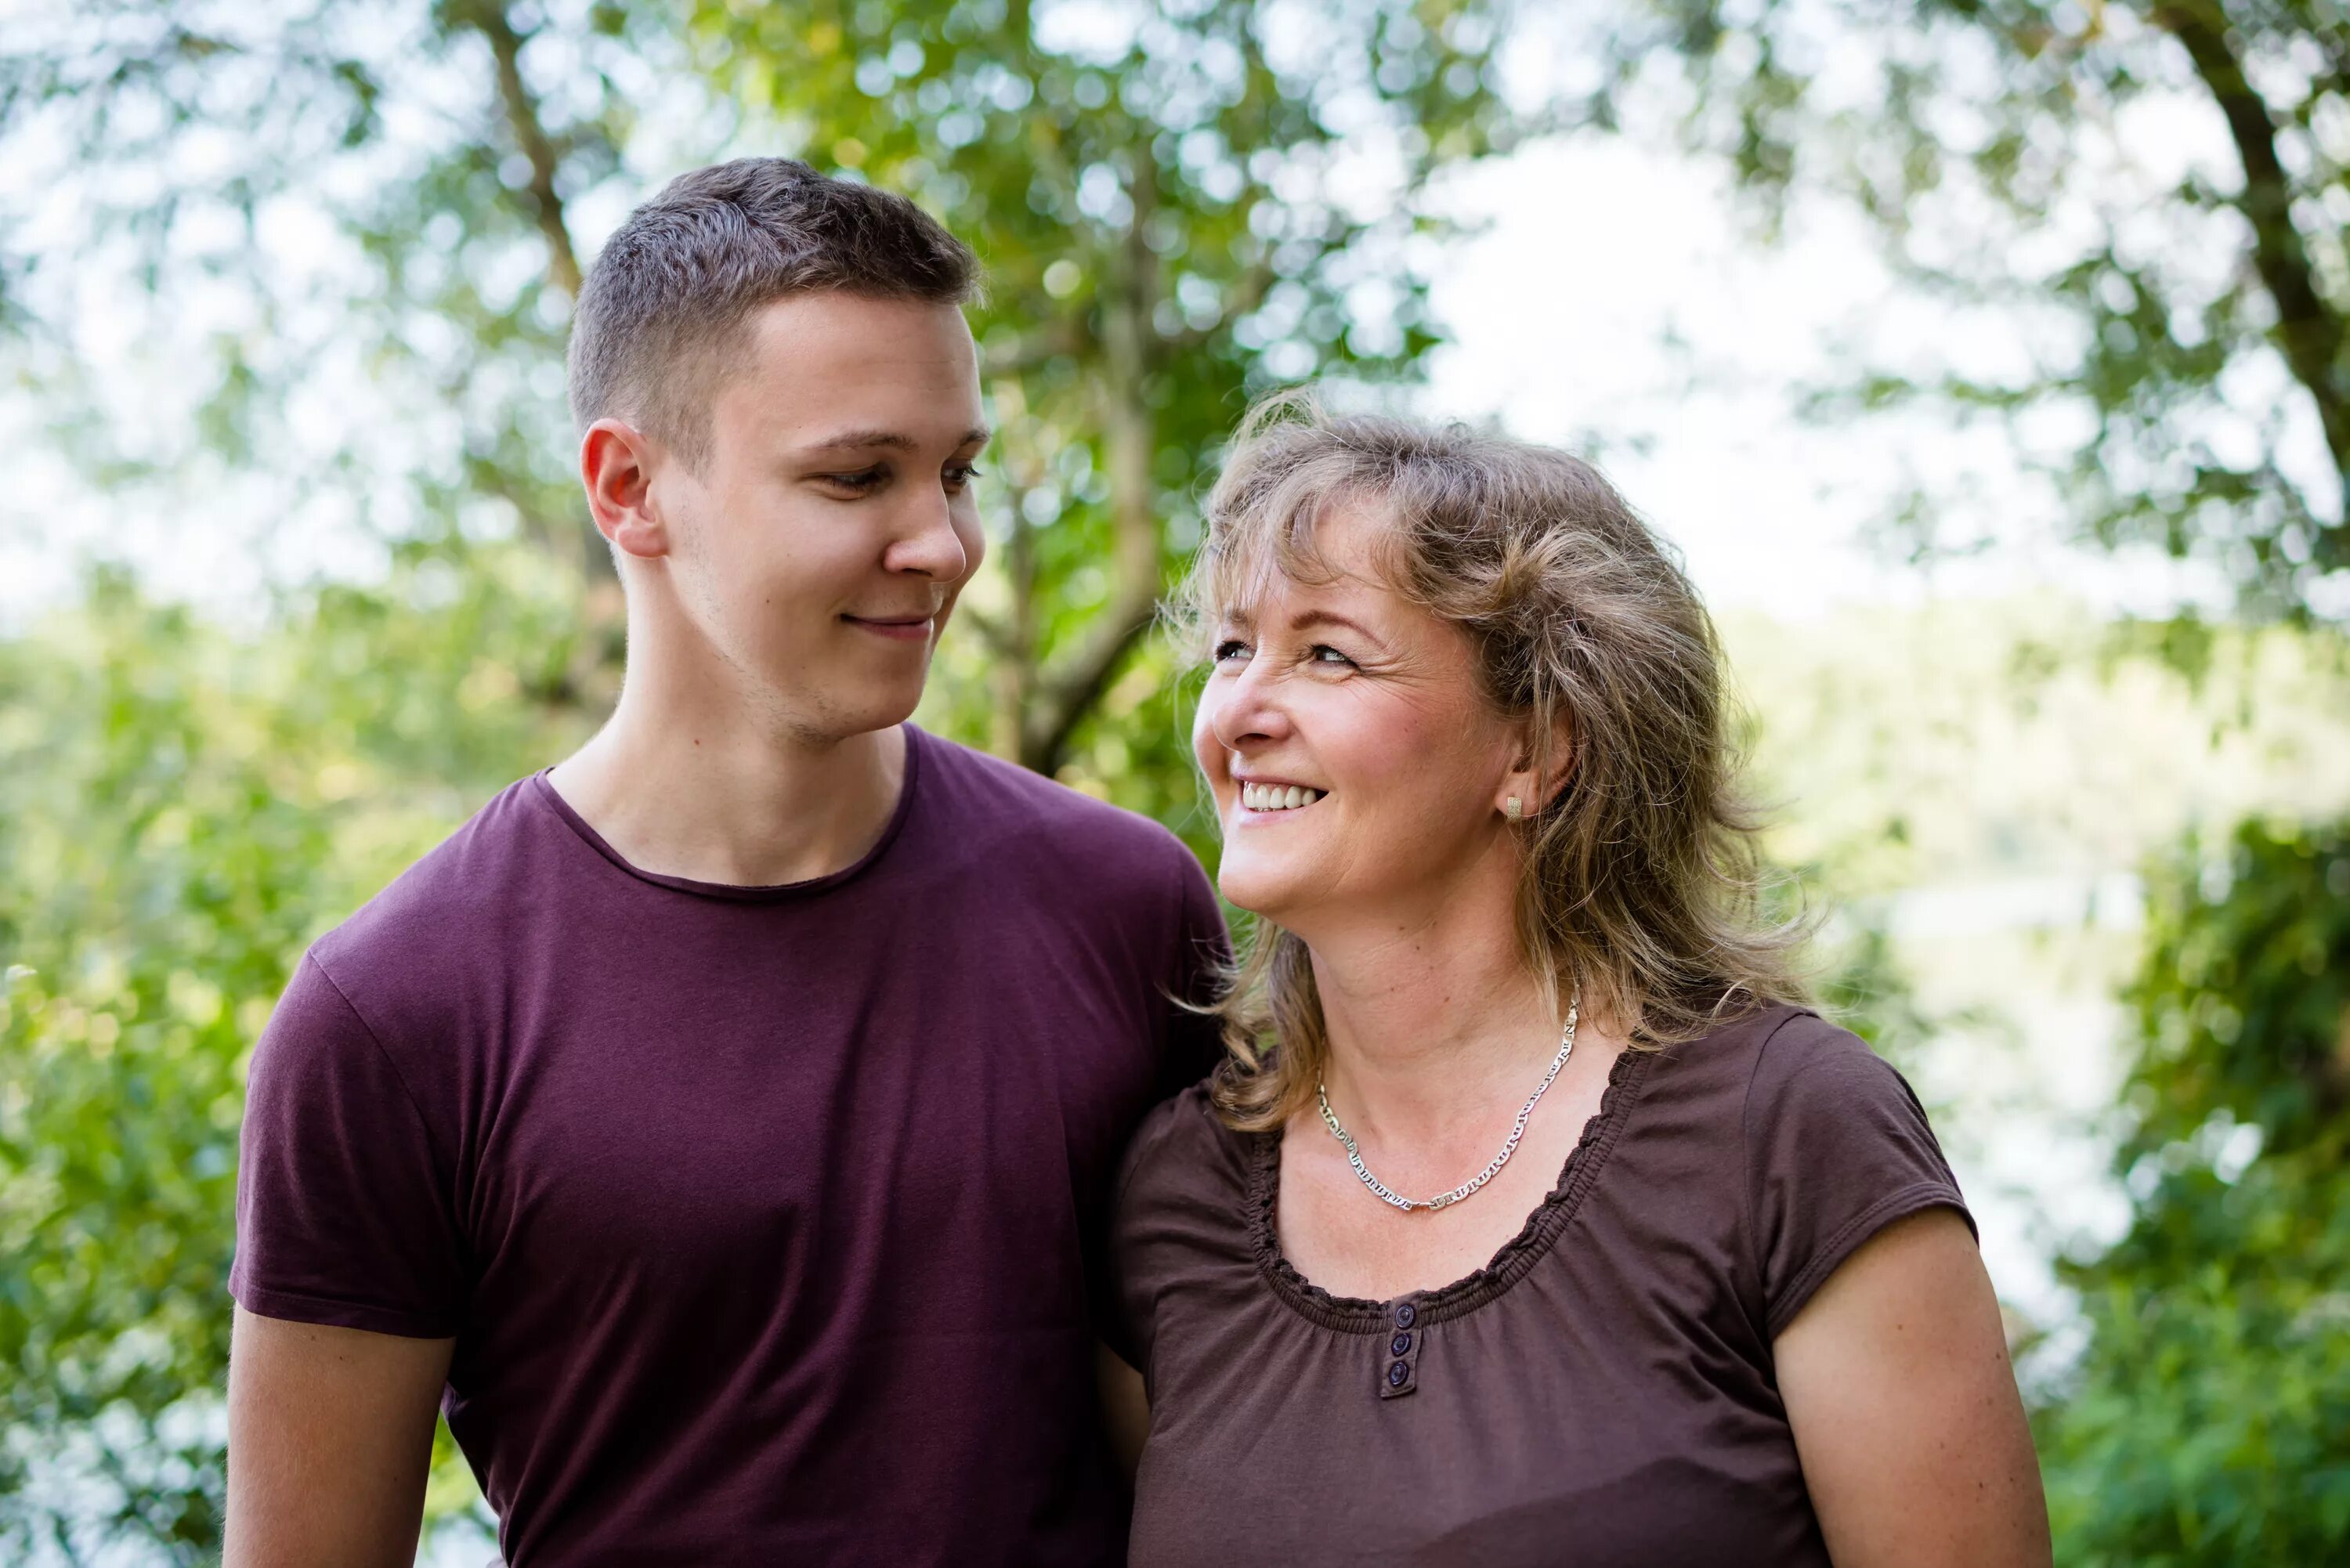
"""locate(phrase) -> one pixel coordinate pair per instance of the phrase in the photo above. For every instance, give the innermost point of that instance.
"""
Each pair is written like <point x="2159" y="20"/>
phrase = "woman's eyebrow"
<point x="1314" y="618"/>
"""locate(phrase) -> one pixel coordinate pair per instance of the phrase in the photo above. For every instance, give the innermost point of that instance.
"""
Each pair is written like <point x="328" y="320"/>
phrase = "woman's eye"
<point x="1325" y="654"/>
<point x="861" y="480"/>
<point x="1230" y="648"/>
<point x="959" y="476"/>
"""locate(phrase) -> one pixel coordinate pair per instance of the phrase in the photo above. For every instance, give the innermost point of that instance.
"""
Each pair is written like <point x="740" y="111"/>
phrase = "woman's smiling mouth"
<point x="1267" y="798"/>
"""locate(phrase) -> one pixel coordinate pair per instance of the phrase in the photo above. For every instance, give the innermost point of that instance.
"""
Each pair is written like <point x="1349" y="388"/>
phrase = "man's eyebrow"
<point x="893" y="440"/>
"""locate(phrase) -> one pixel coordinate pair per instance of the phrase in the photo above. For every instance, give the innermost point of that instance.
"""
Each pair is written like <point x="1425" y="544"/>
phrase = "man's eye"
<point x="1230" y="648"/>
<point x="861" y="480"/>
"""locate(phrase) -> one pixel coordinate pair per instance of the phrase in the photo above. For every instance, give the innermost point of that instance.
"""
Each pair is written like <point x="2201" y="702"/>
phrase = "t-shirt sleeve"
<point x="1202" y="958"/>
<point x="344" y="1209"/>
<point x="1136" y="1214"/>
<point x="1193" y="1046"/>
<point x="1837" y="1147"/>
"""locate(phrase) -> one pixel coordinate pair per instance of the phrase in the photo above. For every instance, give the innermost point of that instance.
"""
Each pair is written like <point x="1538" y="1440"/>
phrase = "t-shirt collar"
<point x="546" y="795"/>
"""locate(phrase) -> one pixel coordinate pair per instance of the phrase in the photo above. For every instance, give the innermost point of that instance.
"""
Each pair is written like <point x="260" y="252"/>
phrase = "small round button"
<point x="1399" y="1346"/>
<point x="1406" y="1315"/>
<point x="1397" y="1375"/>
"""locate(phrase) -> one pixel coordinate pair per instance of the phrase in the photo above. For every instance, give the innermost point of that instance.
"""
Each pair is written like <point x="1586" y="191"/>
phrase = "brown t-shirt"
<point x="1600" y="1394"/>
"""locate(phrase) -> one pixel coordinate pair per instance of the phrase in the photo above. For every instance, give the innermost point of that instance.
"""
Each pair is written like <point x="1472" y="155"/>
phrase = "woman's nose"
<point x="1246" y="708"/>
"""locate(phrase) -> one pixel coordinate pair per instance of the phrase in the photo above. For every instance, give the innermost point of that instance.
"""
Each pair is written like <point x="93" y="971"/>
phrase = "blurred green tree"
<point x="2145" y="198"/>
<point x="181" y="809"/>
<point x="1157" y="195"/>
<point x="2208" y="1419"/>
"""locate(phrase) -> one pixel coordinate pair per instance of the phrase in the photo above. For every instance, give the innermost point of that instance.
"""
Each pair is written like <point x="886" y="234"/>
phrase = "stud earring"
<point x="1511" y="809"/>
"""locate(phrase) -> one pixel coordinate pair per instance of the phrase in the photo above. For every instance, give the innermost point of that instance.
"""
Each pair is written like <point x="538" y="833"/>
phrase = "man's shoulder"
<point x="1009" y="810"/>
<point x="442" y="915"/>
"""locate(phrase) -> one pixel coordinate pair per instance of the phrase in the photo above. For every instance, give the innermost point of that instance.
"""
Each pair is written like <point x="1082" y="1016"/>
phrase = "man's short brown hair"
<point x="660" y="315"/>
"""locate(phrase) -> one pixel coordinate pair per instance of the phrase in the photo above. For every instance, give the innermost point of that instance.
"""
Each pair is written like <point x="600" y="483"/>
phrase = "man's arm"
<point x="1906" y="1416"/>
<point x="329" y="1438"/>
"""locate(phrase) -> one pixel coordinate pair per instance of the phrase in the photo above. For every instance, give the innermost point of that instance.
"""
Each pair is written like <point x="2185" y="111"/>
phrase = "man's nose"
<point x="927" y="544"/>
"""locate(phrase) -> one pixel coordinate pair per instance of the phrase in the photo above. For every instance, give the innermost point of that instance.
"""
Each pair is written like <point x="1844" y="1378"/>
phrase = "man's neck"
<point x="682" y="785"/>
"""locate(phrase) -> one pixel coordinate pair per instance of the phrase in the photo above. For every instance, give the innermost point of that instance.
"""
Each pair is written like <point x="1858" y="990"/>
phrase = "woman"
<point x="1531" y="1220"/>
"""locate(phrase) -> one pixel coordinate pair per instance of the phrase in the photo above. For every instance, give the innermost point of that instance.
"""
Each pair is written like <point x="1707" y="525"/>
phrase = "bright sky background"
<point x="1618" y="303"/>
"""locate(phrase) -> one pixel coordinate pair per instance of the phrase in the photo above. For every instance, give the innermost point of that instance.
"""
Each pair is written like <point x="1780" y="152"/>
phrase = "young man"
<point x="719" y="1127"/>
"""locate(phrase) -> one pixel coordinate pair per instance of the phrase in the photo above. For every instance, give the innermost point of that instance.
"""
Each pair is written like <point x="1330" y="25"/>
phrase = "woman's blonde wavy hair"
<point x="1641" y="887"/>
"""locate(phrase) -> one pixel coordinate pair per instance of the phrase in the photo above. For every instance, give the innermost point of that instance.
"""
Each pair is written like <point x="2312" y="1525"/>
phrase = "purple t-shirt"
<point x="768" y="1222"/>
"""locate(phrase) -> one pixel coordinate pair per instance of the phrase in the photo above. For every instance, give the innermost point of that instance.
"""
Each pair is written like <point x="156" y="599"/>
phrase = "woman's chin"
<point x="1278" y="894"/>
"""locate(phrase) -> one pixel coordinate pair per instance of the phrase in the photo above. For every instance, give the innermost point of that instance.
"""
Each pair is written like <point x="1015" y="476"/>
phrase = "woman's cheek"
<point x="1206" y="750"/>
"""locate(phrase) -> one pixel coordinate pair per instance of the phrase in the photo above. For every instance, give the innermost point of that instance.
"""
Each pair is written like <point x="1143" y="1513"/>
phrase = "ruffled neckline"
<point x="1466" y="1294"/>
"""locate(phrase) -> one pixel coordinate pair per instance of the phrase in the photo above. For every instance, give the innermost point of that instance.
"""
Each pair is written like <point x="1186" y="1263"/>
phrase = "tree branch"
<point x="1015" y="655"/>
<point x="530" y="135"/>
<point x="1062" y="697"/>
<point x="1061" y="702"/>
<point x="2309" y="332"/>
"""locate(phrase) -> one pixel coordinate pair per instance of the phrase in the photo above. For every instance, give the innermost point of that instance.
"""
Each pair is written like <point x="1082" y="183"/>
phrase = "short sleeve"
<point x="344" y="1212"/>
<point x="1133" y="1274"/>
<point x="1192" y="1045"/>
<point x="1202" y="958"/>
<point x="1837" y="1147"/>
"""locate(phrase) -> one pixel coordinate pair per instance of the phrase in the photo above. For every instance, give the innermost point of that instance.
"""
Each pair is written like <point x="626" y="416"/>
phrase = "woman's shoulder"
<point x="1182" y="1154"/>
<point x="1797" y="1060"/>
<point x="1181" y="1217"/>
<point x="1763" y="1057"/>
<point x="1833" y="1146"/>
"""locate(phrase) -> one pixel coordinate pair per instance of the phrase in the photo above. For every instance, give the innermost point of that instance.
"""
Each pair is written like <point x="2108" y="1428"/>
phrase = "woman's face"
<point x="1363" y="710"/>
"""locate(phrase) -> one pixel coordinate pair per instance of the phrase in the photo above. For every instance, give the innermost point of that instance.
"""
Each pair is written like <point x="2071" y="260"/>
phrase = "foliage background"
<point x="283" y="290"/>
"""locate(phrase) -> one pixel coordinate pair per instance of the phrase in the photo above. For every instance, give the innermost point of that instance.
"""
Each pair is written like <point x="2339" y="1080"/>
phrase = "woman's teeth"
<point x="1277" y="797"/>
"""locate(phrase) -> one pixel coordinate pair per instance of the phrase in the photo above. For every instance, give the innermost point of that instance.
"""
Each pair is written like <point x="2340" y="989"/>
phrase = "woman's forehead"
<point x="1284" y="600"/>
<point x="1338" y="554"/>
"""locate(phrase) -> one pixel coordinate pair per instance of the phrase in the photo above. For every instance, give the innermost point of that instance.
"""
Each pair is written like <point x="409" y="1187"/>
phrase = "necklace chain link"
<point x="1517" y="1130"/>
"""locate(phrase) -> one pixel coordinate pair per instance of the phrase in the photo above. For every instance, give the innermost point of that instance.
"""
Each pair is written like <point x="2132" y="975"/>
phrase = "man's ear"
<point x="616" y="465"/>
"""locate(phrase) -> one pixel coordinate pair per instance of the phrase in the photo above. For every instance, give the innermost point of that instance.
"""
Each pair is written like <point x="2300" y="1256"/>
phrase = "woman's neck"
<point x="1432" y="1022"/>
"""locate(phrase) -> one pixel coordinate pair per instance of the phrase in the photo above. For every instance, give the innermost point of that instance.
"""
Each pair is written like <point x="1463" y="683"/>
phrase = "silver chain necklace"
<point x="1517" y="1131"/>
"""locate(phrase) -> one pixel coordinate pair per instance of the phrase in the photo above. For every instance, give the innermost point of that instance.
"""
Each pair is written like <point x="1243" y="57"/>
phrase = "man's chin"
<point x="845" y="715"/>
